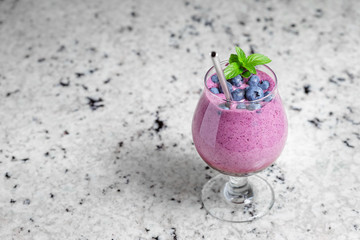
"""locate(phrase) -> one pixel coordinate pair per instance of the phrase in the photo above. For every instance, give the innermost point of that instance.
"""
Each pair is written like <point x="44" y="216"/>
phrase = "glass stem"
<point x="238" y="190"/>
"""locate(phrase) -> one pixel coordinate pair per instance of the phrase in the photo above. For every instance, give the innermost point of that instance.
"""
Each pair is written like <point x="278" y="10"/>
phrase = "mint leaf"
<point x="233" y="58"/>
<point x="241" y="55"/>
<point x="232" y="70"/>
<point x="246" y="74"/>
<point x="257" y="59"/>
<point x="250" y="67"/>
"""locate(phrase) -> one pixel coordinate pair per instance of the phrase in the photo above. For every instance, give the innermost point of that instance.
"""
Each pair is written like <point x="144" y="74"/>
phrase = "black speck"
<point x="196" y="18"/>
<point x="295" y="108"/>
<point x="173" y="234"/>
<point x="160" y="147"/>
<point x="91" y="71"/>
<point x="64" y="84"/>
<point x="159" y="124"/>
<point x="25" y="159"/>
<point x="331" y="113"/>
<point x="307" y="89"/>
<point x="92" y="49"/>
<point x="41" y="60"/>
<point x="316" y="122"/>
<point x="67" y="210"/>
<point x="121" y="144"/>
<point x="319" y="13"/>
<point x="61" y="48"/>
<point x="281" y="178"/>
<point x="8" y="94"/>
<point x="79" y="75"/>
<point x="252" y="49"/>
<point x="133" y="14"/>
<point x="66" y="132"/>
<point x="12" y="201"/>
<point x="7" y="175"/>
<point x="147" y="230"/>
<point x="155" y="238"/>
<point x="209" y="23"/>
<point x="107" y="81"/>
<point x="348" y="144"/>
<point x="52" y="195"/>
<point x="95" y="103"/>
<point x="207" y="168"/>
<point x="242" y="23"/>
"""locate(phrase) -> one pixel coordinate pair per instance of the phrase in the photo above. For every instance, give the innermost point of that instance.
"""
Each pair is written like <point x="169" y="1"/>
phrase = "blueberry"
<point x="236" y="81"/>
<point x="228" y="85"/>
<point x="214" y="90"/>
<point x="264" y="85"/>
<point x="241" y="106"/>
<point x="268" y="96"/>
<point x="238" y="94"/>
<point x="214" y="78"/>
<point x="254" y="80"/>
<point x="223" y="106"/>
<point x="253" y="106"/>
<point x="254" y="93"/>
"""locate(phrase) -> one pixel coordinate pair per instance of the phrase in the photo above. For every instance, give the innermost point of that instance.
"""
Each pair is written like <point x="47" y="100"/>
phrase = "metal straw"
<point x="221" y="76"/>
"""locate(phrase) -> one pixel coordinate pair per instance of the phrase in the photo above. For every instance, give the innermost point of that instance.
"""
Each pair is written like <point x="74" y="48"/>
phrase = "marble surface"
<point x="97" y="99"/>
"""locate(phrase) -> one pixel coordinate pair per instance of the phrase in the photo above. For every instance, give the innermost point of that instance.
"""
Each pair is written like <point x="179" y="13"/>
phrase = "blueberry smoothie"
<point x="246" y="135"/>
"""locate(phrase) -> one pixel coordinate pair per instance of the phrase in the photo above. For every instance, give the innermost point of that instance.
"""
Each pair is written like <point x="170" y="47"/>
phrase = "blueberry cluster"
<point x="255" y="90"/>
<point x="237" y="94"/>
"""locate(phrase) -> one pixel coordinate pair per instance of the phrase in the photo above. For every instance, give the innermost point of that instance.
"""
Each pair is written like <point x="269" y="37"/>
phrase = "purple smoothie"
<point x="239" y="141"/>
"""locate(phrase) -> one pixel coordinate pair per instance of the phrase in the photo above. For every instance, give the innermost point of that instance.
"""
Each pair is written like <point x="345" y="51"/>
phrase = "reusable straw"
<point x="221" y="76"/>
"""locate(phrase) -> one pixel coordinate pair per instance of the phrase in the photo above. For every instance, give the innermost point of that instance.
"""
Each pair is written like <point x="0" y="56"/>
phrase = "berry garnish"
<point x="215" y="78"/>
<point x="254" y="80"/>
<point x="228" y="85"/>
<point x="254" y="93"/>
<point x="214" y="90"/>
<point x="238" y="94"/>
<point x="236" y="81"/>
<point x="264" y="85"/>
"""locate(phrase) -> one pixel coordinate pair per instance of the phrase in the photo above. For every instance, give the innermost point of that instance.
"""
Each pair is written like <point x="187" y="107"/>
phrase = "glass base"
<point x="255" y="202"/>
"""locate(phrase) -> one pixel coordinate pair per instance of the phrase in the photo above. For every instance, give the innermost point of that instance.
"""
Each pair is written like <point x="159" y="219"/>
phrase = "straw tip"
<point x="213" y="54"/>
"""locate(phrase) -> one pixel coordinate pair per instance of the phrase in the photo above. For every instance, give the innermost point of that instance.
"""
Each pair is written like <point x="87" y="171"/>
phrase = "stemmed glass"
<point x="239" y="139"/>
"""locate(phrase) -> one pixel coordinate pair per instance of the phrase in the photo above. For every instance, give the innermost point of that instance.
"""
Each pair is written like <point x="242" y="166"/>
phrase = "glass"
<point x="239" y="139"/>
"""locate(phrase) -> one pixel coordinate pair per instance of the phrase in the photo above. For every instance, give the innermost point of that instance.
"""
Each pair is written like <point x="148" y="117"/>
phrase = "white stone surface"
<point x="69" y="171"/>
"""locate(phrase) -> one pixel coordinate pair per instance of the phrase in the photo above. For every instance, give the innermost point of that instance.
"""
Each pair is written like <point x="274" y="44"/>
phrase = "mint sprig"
<point x="245" y="66"/>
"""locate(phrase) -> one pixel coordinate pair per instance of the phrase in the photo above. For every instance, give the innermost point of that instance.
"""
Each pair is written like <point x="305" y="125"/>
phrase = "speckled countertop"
<point x="96" y="103"/>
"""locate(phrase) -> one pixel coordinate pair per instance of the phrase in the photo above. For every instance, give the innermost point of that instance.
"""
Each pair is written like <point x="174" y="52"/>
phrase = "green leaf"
<point x="250" y="67"/>
<point x="241" y="55"/>
<point x="233" y="58"/>
<point x="232" y="70"/>
<point x="246" y="74"/>
<point x="257" y="59"/>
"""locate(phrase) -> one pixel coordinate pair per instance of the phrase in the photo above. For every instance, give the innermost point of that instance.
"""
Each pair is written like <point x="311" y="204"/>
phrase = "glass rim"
<point x="241" y="101"/>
